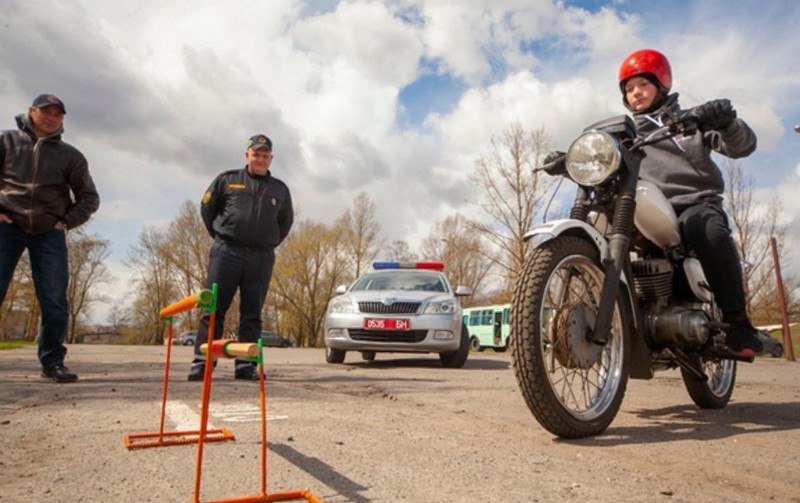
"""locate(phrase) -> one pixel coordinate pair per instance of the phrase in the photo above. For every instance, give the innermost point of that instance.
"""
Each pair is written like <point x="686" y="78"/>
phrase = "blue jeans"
<point x="232" y="268"/>
<point x="48" y="257"/>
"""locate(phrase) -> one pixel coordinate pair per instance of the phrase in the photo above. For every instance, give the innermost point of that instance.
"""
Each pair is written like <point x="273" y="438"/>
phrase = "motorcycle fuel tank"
<point x="654" y="216"/>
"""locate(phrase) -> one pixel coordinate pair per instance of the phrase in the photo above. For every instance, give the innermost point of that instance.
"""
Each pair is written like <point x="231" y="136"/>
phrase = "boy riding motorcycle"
<point x="682" y="167"/>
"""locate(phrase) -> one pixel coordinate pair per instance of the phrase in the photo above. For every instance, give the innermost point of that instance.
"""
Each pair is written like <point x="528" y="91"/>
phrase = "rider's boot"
<point x="742" y="340"/>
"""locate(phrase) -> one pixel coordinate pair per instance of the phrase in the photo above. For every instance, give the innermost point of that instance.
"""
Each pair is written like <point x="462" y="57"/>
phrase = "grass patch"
<point x="14" y="344"/>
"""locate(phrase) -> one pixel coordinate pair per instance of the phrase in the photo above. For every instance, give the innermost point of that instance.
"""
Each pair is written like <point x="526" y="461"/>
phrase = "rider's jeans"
<point x="49" y="267"/>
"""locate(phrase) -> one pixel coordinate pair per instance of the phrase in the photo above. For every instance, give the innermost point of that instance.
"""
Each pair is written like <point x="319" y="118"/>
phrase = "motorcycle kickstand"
<point x="685" y="363"/>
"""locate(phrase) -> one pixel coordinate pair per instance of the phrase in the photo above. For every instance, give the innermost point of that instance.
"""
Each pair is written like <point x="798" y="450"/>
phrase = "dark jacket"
<point x="682" y="166"/>
<point x="43" y="180"/>
<point x="247" y="210"/>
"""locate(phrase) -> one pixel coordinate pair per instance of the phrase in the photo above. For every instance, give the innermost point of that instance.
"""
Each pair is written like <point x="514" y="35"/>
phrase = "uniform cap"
<point x="259" y="141"/>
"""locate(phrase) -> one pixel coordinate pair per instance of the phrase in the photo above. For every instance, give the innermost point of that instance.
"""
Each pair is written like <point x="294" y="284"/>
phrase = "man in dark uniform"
<point x="248" y="212"/>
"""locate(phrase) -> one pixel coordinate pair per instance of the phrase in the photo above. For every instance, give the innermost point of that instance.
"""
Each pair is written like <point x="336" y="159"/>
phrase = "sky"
<point x="396" y="99"/>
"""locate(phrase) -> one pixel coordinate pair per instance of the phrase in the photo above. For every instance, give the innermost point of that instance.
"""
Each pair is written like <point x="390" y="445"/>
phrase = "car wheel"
<point x="368" y="356"/>
<point x="475" y="344"/>
<point x="777" y="351"/>
<point x="188" y="343"/>
<point x="458" y="358"/>
<point x="334" y="355"/>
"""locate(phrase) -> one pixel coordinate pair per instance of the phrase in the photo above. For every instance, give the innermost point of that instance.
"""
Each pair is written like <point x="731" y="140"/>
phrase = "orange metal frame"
<point x="208" y="300"/>
<point x="263" y="496"/>
<point x="204" y="299"/>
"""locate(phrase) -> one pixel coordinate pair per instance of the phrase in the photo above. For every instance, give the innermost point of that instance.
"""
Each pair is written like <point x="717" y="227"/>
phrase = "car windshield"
<point x="401" y="280"/>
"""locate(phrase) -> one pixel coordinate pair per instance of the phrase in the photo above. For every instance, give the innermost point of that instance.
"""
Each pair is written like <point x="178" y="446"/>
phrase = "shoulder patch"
<point x="207" y="197"/>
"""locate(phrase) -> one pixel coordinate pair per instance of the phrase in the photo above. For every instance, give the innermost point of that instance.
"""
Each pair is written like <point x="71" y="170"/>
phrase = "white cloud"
<point x="162" y="96"/>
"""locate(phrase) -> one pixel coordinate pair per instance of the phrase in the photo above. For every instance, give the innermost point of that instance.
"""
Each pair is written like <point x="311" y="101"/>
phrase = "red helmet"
<point x="646" y="61"/>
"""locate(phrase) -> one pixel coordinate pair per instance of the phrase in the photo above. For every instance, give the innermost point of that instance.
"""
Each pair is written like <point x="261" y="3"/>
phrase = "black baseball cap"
<point x="259" y="141"/>
<point x="48" y="100"/>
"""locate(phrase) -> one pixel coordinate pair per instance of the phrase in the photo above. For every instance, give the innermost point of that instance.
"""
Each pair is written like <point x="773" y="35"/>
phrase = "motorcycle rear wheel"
<point x="573" y="387"/>
<point x="714" y="393"/>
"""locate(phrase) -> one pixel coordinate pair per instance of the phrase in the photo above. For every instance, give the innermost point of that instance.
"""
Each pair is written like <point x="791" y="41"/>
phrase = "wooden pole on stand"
<point x="787" y="333"/>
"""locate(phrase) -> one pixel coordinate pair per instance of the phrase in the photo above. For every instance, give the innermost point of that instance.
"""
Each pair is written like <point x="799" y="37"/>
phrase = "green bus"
<point x="488" y="327"/>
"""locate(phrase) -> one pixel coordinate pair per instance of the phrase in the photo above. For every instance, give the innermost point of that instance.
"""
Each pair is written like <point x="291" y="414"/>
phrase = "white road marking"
<point x="185" y="418"/>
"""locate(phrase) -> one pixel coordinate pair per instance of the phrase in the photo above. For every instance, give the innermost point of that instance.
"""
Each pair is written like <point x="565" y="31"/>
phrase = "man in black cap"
<point x="248" y="212"/>
<point x="45" y="189"/>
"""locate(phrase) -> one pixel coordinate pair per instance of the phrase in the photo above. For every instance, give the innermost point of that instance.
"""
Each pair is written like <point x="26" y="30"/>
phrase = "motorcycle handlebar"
<point x="686" y="125"/>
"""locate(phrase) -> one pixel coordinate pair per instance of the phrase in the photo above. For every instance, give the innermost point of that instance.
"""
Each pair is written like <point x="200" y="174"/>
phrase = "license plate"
<point x="386" y="324"/>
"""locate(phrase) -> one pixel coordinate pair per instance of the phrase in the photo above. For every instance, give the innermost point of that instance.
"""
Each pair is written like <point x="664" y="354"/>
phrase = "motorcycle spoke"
<point x="579" y="389"/>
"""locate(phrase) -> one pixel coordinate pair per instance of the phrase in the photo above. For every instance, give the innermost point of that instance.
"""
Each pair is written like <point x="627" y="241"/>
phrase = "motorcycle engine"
<point x="667" y="323"/>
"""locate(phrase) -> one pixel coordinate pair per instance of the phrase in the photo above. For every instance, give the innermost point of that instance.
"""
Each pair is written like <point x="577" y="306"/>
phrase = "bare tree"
<point x="154" y="283"/>
<point x="361" y="231"/>
<point x="86" y="271"/>
<point x="309" y="266"/>
<point x="399" y="250"/>
<point x="19" y="313"/>
<point x="186" y="247"/>
<point x="118" y="318"/>
<point x="753" y="226"/>
<point x="462" y="251"/>
<point x="513" y="191"/>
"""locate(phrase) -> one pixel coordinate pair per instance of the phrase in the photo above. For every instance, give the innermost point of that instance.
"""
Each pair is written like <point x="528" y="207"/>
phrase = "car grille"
<point x="381" y="308"/>
<point x="409" y="336"/>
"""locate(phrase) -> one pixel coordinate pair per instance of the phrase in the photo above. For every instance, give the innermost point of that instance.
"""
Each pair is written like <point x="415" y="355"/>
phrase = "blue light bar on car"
<point x="436" y="266"/>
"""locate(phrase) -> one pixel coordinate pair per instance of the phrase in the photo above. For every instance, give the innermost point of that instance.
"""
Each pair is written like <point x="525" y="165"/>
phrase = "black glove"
<point x="554" y="163"/>
<point x="715" y="114"/>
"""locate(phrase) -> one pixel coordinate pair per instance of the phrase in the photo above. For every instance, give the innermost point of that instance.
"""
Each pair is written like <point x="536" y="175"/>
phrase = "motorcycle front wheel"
<point x="573" y="387"/>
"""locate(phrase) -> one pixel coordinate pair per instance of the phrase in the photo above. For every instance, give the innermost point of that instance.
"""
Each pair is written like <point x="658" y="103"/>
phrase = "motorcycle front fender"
<point x="551" y="230"/>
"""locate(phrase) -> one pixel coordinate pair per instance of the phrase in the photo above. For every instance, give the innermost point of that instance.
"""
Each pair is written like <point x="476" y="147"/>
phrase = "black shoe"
<point x="197" y="372"/>
<point x="246" y="372"/>
<point x="59" y="373"/>
<point x="743" y="341"/>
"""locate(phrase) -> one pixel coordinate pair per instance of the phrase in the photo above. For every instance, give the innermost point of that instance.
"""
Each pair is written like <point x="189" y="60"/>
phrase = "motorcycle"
<point x="610" y="293"/>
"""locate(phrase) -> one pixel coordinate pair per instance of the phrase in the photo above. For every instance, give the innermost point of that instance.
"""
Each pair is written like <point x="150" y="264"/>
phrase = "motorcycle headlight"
<point x="592" y="158"/>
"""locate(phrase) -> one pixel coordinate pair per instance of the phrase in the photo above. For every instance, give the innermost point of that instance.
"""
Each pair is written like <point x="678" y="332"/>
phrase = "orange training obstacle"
<point x="228" y="349"/>
<point x="254" y="353"/>
<point x="205" y="299"/>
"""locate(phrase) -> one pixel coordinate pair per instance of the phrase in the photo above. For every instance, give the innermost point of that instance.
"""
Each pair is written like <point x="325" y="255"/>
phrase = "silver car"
<point x="398" y="308"/>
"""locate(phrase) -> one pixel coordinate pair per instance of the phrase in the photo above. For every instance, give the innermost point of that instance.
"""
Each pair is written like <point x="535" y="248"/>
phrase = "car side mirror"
<point x="463" y="291"/>
<point x="341" y="289"/>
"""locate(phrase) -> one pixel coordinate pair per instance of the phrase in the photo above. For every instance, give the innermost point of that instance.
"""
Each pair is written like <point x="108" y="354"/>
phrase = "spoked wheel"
<point x="714" y="393"/>
<point x="572" y="386"/>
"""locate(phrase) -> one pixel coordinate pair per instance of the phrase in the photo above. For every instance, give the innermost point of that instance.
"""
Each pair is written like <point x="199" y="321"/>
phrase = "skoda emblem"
<point x="388" y="302"/>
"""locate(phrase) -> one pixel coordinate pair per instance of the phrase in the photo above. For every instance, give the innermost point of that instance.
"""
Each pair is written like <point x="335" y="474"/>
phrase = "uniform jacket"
<point x="682" y="166"/>
<point x="43" y="180"/>
<point x="247" y="210"/>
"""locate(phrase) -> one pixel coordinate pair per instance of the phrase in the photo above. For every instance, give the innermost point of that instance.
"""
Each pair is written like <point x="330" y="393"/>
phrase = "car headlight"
<point x="592" y="158"/>
<point x="341" y="305"/>
<point x="441" y="307"/>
